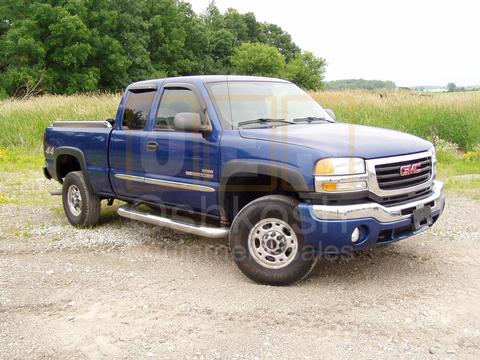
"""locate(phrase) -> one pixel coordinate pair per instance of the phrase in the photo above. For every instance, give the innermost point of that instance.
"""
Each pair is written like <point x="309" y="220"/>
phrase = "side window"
<point x="174" y="101"/>
<point x="137" y="109"/>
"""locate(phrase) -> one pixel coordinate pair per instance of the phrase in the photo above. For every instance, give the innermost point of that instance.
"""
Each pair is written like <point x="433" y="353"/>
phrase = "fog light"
<point x="355" y="235"/>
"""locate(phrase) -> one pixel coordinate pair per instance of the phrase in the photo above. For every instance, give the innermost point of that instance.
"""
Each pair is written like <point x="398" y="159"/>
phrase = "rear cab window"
<point x="137" y="109"/>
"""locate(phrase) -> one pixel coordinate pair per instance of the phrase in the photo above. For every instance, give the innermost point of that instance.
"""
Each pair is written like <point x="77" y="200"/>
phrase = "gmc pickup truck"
<point x="253" y="159"/>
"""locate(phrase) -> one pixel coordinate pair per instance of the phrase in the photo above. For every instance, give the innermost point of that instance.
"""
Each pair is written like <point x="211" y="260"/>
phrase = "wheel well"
<point x="244" y="188"/>
<point x="65" y="164"/>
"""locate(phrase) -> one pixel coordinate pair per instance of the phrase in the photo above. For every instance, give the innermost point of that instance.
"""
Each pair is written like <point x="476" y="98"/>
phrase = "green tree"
<point x="258" y="59"/>
<point x="245" y="28"/>
<point x="255" y="31"/>
<point x="351" y="84"/>
<point x="67" y="46"/>
<point x="221" y="43"/>
<point x="234" y="23"/>
<point x="451" y="87"/>
<point x="55" y="46"/>
<point x="22" y="59"/>
<point x="280" y="39"/>
<point x="212" y="17"/>
<point x="306" y="70"/>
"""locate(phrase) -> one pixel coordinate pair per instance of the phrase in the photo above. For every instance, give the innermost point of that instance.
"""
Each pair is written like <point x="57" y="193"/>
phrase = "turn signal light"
<point x="344" y="186"/>
<point x="329" y="187"/>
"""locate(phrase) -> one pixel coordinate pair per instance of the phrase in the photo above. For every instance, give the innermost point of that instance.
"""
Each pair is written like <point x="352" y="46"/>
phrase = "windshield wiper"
<point x="310" y="119"/>
<point x="264" y="121"/>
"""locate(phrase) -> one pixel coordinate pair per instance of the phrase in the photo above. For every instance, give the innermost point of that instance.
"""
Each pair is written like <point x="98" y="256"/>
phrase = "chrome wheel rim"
<point x="272" y="243"/>
<point x="74" y="199"/>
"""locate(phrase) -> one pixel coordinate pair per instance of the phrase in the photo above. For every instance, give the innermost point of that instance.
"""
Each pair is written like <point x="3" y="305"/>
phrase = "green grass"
<point x="450" y="165"/>
<point x="5" y="200"/>
<point x="465" y="186"/>
<point x="21" y="159"/>
<point x="454" y="117"/>
<point x="454" y="170"/>
<point x="23" y="122"/>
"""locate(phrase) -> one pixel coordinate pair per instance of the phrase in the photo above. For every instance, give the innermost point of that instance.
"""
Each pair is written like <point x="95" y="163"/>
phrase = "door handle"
<point x="152" y="145"/>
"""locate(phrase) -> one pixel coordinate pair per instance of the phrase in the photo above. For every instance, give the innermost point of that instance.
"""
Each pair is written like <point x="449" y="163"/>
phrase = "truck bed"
<point x="87" y="139"/>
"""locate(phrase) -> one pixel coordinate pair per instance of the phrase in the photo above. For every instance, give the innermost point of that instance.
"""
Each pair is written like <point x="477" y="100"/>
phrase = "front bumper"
<point x="329" y="228"/>
<point x="379" y="212"/>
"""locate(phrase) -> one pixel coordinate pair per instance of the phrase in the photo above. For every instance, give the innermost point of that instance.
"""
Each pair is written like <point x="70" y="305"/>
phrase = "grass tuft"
<point x="5" y="200"/>
<point x="20" y="159"/>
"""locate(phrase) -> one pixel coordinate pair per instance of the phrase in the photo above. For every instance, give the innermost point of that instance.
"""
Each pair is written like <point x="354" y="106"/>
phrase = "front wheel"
<point x="267" y="244"/>
<point x="81" y="207"/>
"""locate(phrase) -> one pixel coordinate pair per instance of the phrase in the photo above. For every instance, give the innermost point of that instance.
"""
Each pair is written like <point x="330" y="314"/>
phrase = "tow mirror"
<point x="331" y="114"/>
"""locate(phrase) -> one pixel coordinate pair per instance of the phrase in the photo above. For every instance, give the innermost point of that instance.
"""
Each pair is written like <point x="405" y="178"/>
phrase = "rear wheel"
<point x="267" y="244"/>
<point x="81" y="207"/>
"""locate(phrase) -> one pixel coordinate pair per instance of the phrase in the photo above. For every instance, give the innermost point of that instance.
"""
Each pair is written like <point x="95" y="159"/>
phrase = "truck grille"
<point x="389" y="176"/>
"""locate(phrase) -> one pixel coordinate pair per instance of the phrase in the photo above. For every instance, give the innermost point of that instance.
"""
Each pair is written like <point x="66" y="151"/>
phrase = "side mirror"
<point x="188" y="122"/>
<point x="331" y="113"/>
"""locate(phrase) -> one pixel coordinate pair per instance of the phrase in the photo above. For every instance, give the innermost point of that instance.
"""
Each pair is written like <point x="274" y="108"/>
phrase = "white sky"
<point x="412" y="42"/>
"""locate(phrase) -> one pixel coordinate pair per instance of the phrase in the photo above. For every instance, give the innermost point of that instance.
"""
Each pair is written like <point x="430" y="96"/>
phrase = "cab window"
<point x="137" y="109"/>
<point x="174" y="101"/>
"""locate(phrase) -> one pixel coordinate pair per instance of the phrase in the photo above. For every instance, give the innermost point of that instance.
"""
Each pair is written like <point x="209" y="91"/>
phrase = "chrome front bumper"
<point x="379" y="212"/>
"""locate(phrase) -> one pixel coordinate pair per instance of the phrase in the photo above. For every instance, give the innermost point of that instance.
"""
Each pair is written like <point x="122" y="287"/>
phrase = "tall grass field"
<point x="452" y="120"/>
<point x="454" y="117"/>
<point x="23" y="122"/>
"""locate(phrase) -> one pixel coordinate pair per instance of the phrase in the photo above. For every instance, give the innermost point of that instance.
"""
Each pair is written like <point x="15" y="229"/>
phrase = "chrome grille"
<point x="389" y="175"/>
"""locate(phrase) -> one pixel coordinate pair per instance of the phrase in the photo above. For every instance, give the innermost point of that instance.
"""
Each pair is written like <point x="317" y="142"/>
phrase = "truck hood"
<point x="338" y="139"/>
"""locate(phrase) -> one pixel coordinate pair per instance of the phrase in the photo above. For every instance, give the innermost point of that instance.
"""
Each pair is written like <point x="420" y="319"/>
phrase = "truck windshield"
<point x="243" y="103"/>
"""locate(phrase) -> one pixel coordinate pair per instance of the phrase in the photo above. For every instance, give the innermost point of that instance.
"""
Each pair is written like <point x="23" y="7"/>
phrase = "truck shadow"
<point x="382" y="263"/>
<point x="392" y="261"/>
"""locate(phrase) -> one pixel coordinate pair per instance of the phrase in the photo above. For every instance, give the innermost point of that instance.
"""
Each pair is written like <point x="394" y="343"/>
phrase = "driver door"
<point x="181" y="168"/>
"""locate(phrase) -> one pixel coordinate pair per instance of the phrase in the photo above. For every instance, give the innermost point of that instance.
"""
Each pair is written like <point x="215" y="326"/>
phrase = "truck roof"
<point x="154" y="83"/>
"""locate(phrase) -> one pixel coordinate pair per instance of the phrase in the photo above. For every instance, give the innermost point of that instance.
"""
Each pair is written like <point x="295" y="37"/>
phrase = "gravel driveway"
<point x="129" y="290"/>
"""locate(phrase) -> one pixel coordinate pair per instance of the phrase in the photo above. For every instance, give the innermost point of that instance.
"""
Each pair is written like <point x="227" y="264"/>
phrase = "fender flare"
<point x="245" y="167"/>
<point x="77" y="154"/>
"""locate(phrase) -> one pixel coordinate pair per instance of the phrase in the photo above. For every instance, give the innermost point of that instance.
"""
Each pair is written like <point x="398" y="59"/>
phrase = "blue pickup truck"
<point x="253" y="159"/>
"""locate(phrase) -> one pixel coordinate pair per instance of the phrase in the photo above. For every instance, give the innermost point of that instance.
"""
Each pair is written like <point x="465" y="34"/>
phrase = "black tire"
<point x="253" y="260"/>
<point x="86" y="211"/>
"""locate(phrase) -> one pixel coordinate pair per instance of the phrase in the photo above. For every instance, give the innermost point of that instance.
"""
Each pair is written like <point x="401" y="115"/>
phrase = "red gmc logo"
<point x="410" y="169"/>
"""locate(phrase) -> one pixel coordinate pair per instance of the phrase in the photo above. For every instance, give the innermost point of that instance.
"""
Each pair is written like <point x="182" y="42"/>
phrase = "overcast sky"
<point x="412" y="42"/>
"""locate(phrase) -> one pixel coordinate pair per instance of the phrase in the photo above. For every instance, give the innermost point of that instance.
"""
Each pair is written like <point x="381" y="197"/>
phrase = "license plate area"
<point x="422" y="217"/>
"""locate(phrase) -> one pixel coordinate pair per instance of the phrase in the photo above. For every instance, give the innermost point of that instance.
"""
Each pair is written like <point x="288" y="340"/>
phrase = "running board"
<point x="200" y="230"/>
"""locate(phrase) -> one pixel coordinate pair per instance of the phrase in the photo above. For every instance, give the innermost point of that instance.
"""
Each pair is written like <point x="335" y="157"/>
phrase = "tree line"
<point x="69" y="46"/>
<point x="351" y="84"/>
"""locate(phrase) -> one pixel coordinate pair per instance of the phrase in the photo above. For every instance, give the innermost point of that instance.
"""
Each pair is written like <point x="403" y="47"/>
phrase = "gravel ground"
<point x="129" y="290"/>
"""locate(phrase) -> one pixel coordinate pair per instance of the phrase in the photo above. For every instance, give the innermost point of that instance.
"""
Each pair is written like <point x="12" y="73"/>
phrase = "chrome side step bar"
<point x="200" y="230"/>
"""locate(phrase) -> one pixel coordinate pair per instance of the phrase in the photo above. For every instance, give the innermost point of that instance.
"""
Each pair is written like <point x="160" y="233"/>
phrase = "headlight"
<point x="340" y="175"/>
<point x="340" y="166"/>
